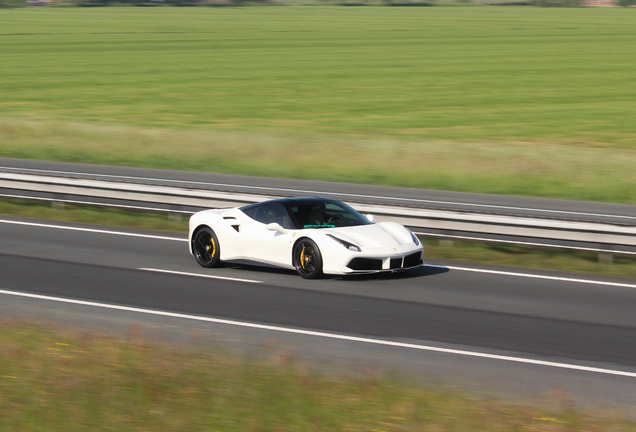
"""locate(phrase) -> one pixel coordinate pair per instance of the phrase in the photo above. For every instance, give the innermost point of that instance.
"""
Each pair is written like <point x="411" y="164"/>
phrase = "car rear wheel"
<point x="307" y="259"/>
<point x="206" y="248"/>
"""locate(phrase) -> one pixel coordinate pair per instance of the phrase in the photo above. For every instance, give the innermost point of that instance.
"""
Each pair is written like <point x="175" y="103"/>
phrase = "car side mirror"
<point x="370" y="217"/>
<point x="276" y="227"/>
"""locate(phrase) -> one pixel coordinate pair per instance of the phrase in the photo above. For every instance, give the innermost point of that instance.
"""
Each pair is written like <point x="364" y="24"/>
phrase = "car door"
<point x="269" y="245"/>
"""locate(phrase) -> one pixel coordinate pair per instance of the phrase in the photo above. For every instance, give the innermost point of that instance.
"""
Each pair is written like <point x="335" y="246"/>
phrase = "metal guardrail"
<point x="173" y="199"/>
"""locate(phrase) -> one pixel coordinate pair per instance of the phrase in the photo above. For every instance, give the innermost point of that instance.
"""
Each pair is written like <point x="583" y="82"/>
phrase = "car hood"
<point x="382" y="234"/>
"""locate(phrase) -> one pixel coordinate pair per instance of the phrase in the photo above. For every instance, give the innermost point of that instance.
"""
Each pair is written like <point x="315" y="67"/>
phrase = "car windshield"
<point x="310" y="213"/>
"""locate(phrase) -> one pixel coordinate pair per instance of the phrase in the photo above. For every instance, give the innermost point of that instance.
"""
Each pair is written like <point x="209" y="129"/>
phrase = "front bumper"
<point x="387" y="263"/>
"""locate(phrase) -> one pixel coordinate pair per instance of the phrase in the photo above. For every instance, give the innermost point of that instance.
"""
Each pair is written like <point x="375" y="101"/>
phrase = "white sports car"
<point x="311" y="235"/>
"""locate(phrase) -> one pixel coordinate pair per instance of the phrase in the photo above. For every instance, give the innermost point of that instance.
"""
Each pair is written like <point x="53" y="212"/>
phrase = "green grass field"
<point x="522" y="101"/>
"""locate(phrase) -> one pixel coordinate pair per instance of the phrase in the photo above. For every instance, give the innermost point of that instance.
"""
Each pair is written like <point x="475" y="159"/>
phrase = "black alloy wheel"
<point x="206" y="248"/>
<point x="307" y="259"/>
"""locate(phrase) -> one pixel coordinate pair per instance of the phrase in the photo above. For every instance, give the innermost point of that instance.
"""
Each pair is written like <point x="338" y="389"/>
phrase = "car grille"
<point x="396" y="263"/>
<point x="365" y="264"/>
<point x="413" y="260"/>
<point x="371" y="264"/>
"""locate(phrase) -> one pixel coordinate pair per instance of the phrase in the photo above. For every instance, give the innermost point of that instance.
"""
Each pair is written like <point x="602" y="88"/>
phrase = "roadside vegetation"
<point x="57" y="379"/>
<point x="506" y="100"/>
<point x="434" y="248"/>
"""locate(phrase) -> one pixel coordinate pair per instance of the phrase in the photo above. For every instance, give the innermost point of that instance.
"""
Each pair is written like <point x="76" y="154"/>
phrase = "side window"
<point x="336" y="215"/>
<point x="251" y="212"/>
<point x="270" y="213"/>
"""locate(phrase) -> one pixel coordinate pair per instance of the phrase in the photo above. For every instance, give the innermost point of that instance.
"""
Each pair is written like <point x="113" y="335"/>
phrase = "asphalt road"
<point x="482" y="327"/>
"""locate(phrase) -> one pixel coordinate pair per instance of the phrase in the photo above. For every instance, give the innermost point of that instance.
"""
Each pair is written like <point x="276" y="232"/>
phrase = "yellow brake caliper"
<point x="211" y="246"/>
<point x="302" y="258"/>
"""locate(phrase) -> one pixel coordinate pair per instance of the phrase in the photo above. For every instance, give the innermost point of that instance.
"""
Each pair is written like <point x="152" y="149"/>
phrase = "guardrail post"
<point x="174" y="215"/>
<point x="606" y="257"/>
<point x="58" y="202"/>
<point x="446" y="243"/>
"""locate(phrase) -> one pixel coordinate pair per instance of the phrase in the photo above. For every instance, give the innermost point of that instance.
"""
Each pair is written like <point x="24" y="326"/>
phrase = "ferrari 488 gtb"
<point x="312" y="235"/>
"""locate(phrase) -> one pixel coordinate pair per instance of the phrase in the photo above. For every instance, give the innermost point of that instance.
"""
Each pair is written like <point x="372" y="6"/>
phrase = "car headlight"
<point x="346" y="244"/>
<point x="415" y="239"/>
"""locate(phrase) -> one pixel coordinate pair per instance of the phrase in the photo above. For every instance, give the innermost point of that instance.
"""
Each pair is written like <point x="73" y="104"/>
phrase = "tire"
<point x="206" y="248"/>
<point x="307" y="259"/>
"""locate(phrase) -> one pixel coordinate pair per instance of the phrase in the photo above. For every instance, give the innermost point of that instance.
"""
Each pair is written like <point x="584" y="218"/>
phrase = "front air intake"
<point x="413" y="260"/>
<point x="365" y="264"/>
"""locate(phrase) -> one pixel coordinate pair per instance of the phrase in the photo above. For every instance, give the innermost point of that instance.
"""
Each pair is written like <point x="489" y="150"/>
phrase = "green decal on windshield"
<point x="319" y="226"/>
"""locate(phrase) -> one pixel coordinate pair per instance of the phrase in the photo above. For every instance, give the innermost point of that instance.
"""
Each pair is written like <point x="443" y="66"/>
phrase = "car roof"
<point x="290" y="201"/>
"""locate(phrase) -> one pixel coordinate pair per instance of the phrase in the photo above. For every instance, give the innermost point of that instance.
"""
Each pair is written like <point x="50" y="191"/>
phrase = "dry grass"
<point x="554" y="170"/>
<point x="57" y="379"/>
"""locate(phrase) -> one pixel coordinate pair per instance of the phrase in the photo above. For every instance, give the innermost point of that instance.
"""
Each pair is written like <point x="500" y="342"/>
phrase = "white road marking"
<point x="200" y="275"/>
<point x="555" y="278"/>
<point x="329" y="335"/>
<point x="313" y="192"/>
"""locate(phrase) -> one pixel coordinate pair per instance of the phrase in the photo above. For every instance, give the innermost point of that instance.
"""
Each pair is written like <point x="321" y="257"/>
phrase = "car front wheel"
<point x="206" y="248"/>
<point x="307" y="259"/>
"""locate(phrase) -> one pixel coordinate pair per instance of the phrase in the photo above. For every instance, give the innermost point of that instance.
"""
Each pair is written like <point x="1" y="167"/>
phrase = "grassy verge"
<point x="56" y="379"/>
<point x="93" y="215"/>
<point x="550" y="170"/>
<point x="497" y="254"/>
<point x="519" y="101"/>
<point x="530" y="257"/>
